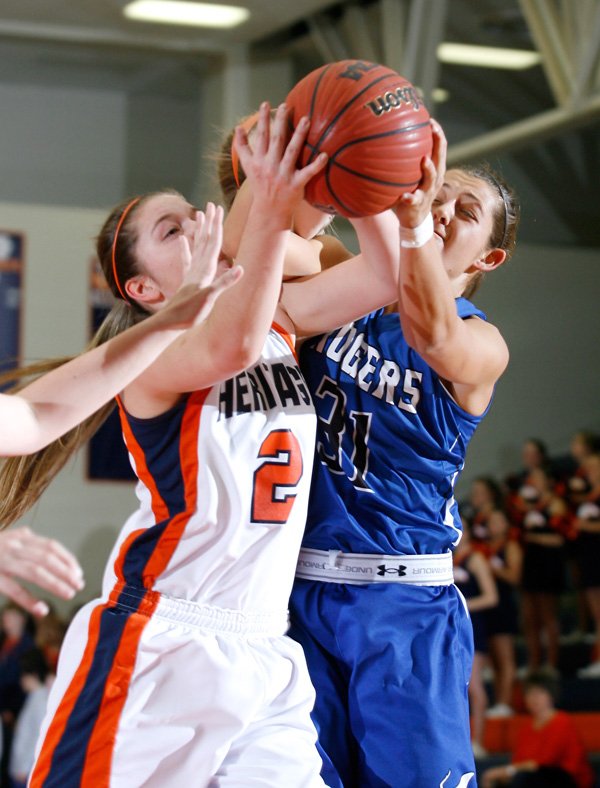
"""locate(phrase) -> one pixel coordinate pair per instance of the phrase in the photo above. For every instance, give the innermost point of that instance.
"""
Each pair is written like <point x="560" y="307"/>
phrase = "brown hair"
<point x="120" y="220"/>
<point x="24" y="479"/>
<point x="227" y="168"/>
<point x="227" y="182"/>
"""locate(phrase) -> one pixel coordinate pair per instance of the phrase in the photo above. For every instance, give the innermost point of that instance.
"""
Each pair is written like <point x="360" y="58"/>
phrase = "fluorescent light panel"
<point x="487" y="57"/>
<point x="440" y="95"/>
<point x="177" y="12"/>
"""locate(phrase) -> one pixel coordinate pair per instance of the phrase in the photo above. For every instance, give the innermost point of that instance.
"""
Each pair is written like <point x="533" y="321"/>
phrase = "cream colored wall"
<point x="84" y="515"/>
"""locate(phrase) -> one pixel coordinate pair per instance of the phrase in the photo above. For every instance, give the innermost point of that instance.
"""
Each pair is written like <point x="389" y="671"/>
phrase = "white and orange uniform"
<point x="182" y="675"/>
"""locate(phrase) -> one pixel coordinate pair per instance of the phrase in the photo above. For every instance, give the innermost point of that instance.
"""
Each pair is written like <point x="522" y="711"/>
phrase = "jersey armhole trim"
<point x="286" y="337"/>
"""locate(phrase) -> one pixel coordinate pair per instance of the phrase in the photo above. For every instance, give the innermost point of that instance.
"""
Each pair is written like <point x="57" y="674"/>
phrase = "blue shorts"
<point x="390" y="665"/>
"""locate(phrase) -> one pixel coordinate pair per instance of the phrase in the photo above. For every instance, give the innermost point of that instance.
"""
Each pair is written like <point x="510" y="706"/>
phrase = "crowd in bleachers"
<point x="28" y="657"/>
<point x="538" y="531"/>
<point x="531" y="540"/>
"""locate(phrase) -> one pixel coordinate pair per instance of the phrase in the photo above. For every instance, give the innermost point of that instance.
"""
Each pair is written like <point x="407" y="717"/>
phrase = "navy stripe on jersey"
<point x="159" y="439"/>
<point x="70" y="754"/>
<point x="140" y="551"/>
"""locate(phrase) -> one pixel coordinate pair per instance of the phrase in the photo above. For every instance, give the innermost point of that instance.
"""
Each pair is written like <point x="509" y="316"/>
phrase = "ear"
<point x="144" y="289"/>
<point x="493" y="259"/>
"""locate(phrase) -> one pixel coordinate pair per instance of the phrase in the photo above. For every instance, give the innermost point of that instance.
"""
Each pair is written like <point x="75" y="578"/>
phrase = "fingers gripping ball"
<point x="375" y="129"/>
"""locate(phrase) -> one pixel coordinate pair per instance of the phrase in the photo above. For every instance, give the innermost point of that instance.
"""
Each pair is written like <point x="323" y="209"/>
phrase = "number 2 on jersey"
<point x="275" y="480"/>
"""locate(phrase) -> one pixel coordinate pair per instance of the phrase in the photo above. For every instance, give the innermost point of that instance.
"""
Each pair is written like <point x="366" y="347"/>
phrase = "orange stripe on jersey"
<point x="188" y="457"/>
<point x="99" y="749"/>
<point x="159" y="507"/>
<point x="287" y="337"/>
<point x="96" y="770"/>
<point x="61" y="717"/>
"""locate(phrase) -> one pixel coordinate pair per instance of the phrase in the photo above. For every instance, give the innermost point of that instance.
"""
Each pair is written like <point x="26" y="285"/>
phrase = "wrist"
<point x="415" y="237"/>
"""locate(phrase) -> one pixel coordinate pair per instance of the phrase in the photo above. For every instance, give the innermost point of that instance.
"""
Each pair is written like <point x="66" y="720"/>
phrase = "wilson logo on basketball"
<point x="357" y="70"/>
<point x="400" y="97"/>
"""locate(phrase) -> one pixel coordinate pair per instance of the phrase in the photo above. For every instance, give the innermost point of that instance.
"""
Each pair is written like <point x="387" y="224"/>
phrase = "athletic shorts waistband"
<point x="333" y="566"/>
<point x="271" y="623"/>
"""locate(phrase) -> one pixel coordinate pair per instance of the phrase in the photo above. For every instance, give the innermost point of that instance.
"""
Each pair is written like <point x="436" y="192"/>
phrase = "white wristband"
<point x="414" y="237"/>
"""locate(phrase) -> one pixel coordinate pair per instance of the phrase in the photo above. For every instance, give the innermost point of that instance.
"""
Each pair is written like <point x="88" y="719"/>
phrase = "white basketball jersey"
<point x="223" y="486"/>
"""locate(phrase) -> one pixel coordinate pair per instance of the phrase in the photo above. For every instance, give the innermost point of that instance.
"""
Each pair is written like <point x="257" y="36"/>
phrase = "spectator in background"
<point x="34" y="674"/>
<point x="583" y="444"/>
<point x="485" y="495"/>
<point x="15" y="639"/>
<point x="577" y="488"/>
<point x="544" y="520"/>
<point x="505" y="556"/>
<point x="474" y="579"/>
<point x="49" y="635"/>
<point x="549" y="752"/>
<point x="534" y="454"/>
<point x="587" y="527"/>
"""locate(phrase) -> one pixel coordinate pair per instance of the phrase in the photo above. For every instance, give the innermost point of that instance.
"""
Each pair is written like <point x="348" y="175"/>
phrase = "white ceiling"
<point x="546" y="118"/>
<point x="98" y="17"/>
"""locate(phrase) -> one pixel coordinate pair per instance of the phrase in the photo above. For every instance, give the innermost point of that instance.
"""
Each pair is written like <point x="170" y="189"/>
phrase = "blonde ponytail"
<point x="24" y="479"/>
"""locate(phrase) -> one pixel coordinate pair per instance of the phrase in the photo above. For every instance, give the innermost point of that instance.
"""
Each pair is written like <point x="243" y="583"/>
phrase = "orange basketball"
<point x="374" y="128"/>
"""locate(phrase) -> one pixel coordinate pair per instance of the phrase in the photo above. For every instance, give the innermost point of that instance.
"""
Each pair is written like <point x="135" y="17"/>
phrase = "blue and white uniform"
<point x="390" y="660"/>
<point x="182" y="673"/>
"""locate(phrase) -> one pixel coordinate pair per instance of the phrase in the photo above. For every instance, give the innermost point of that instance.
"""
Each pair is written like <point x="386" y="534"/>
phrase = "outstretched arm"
<point x="58" y="401"/>
<point x="233" y="336"/>
<point x="35" y="559"/>
<point x="342" y="292"/>
<point x="352" y="288"/>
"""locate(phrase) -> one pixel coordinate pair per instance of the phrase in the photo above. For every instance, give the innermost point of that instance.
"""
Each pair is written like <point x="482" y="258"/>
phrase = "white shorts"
<point x="185" y="696"/>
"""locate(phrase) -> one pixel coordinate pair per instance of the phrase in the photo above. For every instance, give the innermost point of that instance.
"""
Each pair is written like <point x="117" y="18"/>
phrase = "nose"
<point x="443" y="212"/>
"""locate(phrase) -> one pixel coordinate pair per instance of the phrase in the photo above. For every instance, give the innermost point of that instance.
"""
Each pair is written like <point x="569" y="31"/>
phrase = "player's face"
<point x="463" y="216"/>
<point x="160" y="224"/>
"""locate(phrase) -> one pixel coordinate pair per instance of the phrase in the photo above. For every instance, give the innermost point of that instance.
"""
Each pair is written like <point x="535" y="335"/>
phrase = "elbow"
<point x="432" y="343"/>
<point x="429" y="336"/>
<point x="235" y="358"/>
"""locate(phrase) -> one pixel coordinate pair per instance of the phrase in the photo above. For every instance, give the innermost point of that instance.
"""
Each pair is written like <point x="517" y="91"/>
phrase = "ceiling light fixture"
<point x="487" y="57"/>
<point x="440" y="95"/>
<point x="178" y="12"/>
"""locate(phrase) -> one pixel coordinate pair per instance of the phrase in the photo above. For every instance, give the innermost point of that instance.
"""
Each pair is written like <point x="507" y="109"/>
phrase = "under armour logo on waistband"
<point x="382" y="569"/>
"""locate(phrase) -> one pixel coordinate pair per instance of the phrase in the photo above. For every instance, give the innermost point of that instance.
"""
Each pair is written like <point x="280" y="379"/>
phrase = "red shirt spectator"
<point x="549" y="751"/>
<point x="555" y="743"/>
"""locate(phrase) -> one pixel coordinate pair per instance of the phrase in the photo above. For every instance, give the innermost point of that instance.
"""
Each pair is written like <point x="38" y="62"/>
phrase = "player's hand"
<point x="36" y="559"/>
<point x="412" y="208"/>
<point x="201" y="244"/>
<point x="207" y="273"/>
<point x="270" y="163"/>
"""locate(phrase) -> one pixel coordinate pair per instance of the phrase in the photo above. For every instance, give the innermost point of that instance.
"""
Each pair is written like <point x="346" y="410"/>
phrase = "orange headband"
<point x="247" y="125"/>
<point x="126" y="210"/>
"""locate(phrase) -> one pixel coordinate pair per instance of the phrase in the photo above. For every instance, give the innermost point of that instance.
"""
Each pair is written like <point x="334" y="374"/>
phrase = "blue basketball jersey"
<point x="391" y="442"/>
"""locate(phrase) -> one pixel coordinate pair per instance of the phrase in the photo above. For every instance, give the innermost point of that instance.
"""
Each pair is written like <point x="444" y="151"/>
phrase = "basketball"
<point x="373" y="126"/>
